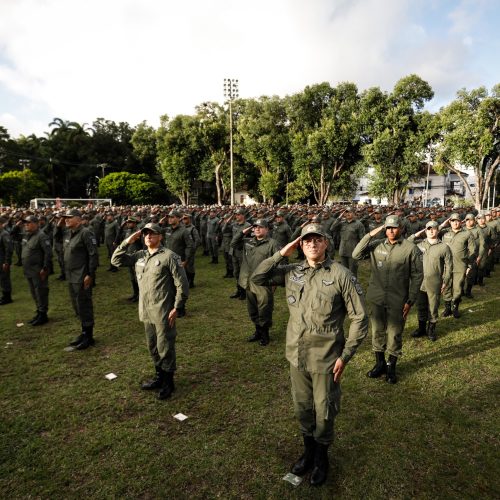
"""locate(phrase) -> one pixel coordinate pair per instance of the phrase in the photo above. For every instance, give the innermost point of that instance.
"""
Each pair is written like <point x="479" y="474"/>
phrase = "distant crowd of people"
<point x="417" y="256"/>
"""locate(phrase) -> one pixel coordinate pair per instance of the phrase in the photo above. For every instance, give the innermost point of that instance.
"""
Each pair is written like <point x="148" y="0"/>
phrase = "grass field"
<point x="68" y="432"/>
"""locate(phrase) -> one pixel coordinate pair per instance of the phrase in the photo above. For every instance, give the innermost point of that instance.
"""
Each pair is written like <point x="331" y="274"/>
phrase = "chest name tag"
<point x="327" y="283"/>
<point x="296" y="279"/>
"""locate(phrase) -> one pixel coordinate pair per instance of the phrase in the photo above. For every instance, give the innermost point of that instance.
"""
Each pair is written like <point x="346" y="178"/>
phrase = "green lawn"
<point x="67" y="432"/>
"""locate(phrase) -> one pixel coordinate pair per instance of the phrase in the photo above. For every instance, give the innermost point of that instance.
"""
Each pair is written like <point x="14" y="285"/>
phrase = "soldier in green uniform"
<point x="236" y="250"/>
<point x="80" y="263"/>
<point x="163" y="290"/>
<point x="319" y="293"/>
<point x="281" y="232"/>
<point x="351" y="232"/>
<point x="213" y="232"/>
<point x="127" y="228"/>
<point x="111" y="231"/>
<point x="260" y="301"/>
<point x="6" y="251"/>
<point x="57" y="238"/>
<point x="195" y="236"/>
<point x="178" y="239"/>
<point x="36" y="258"/>
<point x="488" y="236"/>
<point x="396" y="276"/>
<point x="472" y="276"/>
<point x="464" y="250"/>
<point x="438" y="268"/>
<point x="227" y="236"/>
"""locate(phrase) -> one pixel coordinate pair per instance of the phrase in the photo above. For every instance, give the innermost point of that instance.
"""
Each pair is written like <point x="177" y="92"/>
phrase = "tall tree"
<point x="214" y="128"/>
<point x="326" y="145"/>
<point x="396" y="138"/>
<point x="470" y="137"/>
<point x="263" y="128"/>
<point x="180" y="154"/>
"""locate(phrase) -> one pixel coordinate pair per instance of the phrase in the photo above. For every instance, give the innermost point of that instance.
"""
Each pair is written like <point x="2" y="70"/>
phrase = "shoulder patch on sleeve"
<point x="357" y="285"/>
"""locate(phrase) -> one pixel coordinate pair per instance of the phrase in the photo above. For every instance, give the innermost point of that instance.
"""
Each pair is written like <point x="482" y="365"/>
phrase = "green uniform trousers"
<point x="5" y="283"/>
<point x="387" y="329"/>
<point x="316" y="401"/>
<point x="160" y="340"/>
<point x="260" y="304"/>
<point x="454" y="291"/>
<point x="40" y="292"/>
<point x="428" y="305"/>
<point x="81" y="299"/>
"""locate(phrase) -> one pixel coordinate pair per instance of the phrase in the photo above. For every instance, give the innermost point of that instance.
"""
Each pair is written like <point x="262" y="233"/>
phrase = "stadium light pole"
<point x="231" y="92"/>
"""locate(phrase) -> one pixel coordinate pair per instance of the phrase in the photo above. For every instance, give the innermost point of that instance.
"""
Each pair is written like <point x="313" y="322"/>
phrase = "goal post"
<point x="64" y="203"/>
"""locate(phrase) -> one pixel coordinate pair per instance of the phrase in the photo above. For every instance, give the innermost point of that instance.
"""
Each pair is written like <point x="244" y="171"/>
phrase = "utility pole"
<point x="231" y="91"/>
<point x="102" y="166"/>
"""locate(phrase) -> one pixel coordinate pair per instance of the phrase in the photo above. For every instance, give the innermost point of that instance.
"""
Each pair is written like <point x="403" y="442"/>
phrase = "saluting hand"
<point x="134" y="237"/>
<point x="288" y="249"/>
<point x="377" y="230"/>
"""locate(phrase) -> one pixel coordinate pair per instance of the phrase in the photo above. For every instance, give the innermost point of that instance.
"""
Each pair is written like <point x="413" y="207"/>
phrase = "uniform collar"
<point x="326" y="264"/>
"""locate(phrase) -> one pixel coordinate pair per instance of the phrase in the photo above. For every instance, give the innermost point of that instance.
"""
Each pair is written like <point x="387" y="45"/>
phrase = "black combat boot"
<point x="243" y="293"/>
<point x="78" y="340"/>
<point x="380" y="366"/>
<point x="6" y="299"/>
<point x="456" y="312"/>
<point x="157" y="382"/>
<point x="88" y="338"/>
<point x="447" y="309"/>
<point x="306" y="462"/>
<point x="431" y="332"/>
<point x="34" y="318"/>
<point x="135" y="292"/>
<point x="41" y="320"/>
<point x="391" y="370"/>
<point x="257" y="334"/>
<point x="320" y="470"/>
<point x="168" y="386"/>
<point x="468" y="292"/>
<point x="420" y="331"/>
<point x="264" y="338"/>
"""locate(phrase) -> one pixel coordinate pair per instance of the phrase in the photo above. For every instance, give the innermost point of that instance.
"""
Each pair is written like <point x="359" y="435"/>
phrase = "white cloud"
<point x="137" y="59"/>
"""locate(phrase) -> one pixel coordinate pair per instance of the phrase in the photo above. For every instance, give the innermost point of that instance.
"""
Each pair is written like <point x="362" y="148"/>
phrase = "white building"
<point x="436" y="191"/>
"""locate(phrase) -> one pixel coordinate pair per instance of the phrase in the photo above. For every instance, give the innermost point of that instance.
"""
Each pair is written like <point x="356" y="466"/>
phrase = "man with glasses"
<point x="438" y="267"/>
<point x="163" y="291"/>
<point x="396" y="276"/>
<point x="319" y="293"/>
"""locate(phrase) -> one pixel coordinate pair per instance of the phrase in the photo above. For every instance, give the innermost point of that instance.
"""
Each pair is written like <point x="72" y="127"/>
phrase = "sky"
<point x="135" y="60"/>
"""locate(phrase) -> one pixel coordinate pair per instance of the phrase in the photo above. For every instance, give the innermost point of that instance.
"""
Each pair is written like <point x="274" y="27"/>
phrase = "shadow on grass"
<point x="456" y="351"/>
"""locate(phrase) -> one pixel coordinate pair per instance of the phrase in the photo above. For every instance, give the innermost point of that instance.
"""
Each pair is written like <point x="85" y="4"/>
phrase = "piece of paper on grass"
<point x="111" y="376"/>
<point x="292" y="479"/>
<point x="19" y="325"/>
<point x="180" y="417"/>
